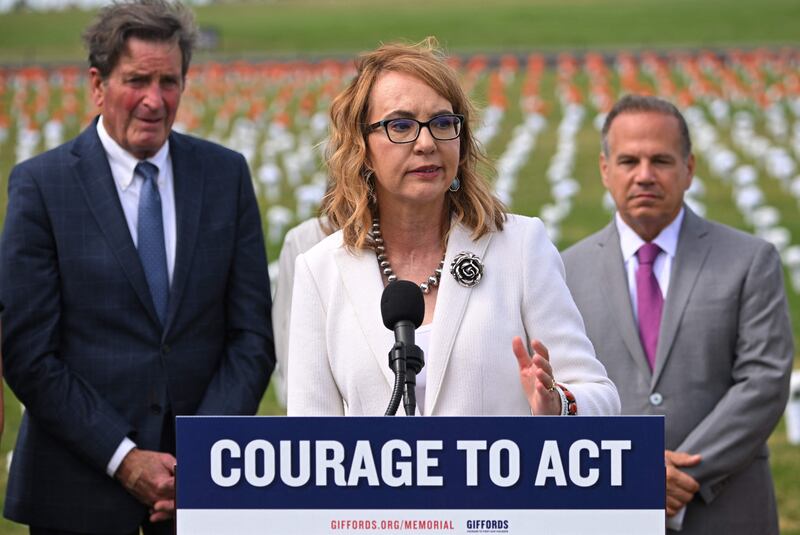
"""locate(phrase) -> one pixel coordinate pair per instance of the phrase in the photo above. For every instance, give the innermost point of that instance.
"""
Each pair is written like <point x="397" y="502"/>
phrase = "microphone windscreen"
<point x="402" y="300"/>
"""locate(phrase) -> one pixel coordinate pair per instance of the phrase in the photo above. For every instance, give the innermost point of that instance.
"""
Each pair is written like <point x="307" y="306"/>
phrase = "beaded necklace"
<point x="386" y="267"/>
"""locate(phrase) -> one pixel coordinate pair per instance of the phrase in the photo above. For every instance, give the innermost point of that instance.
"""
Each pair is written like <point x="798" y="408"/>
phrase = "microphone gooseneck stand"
<point x="406" y="362"/>
<point x="397" y="363"/>
<point x="402" y="311"/>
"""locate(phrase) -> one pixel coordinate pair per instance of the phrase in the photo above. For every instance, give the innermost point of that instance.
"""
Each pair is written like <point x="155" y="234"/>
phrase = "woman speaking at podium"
<point x="500" y="333"/>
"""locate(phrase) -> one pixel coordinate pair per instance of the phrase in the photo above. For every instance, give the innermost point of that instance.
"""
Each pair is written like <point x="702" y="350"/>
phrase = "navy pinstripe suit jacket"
<point x="83" y="348"/>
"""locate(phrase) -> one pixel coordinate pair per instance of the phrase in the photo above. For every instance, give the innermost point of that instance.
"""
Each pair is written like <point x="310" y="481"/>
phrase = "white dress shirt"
<point x="630" y="242"/>
<point x="128" y="185"/>
<point x="667" y="240"/>
<point x="122" y="164"/>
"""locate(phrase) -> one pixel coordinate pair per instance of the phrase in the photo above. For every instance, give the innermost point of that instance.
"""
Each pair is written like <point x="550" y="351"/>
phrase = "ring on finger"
<point x="552" y="386"/>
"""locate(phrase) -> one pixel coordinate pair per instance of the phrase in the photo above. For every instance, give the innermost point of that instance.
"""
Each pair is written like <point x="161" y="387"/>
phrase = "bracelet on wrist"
<point x="568" y="405"/>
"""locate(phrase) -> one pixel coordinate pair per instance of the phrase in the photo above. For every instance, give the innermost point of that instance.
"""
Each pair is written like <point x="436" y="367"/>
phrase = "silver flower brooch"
<point x="467" y="269"/>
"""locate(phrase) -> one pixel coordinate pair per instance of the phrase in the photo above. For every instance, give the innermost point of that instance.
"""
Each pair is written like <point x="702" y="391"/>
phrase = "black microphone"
<point x="403" y="309"/>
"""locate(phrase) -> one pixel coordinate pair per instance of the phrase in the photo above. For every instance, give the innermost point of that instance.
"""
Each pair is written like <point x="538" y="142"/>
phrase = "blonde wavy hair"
<point x="347" y="202"/>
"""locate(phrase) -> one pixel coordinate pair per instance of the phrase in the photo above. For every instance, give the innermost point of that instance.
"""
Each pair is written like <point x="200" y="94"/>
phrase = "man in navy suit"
<point x="133" y="270"/>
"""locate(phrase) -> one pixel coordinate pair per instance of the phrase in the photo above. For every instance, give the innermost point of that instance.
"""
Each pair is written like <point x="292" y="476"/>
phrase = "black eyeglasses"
<point x="403" y="130"/>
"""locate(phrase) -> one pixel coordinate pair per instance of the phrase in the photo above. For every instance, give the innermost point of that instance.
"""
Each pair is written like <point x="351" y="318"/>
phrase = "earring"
<point x="455" y="185"/>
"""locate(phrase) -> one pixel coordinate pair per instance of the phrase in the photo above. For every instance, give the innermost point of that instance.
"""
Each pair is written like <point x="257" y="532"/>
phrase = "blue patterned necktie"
<point x="150" y="238"/>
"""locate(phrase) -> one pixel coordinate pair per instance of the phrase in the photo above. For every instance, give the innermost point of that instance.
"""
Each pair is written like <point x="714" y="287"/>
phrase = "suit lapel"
<point x="93" y="174"/>
<point x="689" y="259"/>
<point x="188" y="180"/>
<point x="364" y="286"/>
<point x="451" y="303"/>
<point x="617" y="294"/>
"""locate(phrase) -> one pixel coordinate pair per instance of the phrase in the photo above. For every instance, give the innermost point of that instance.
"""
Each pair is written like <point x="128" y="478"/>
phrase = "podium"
<point x="456" y="475"/>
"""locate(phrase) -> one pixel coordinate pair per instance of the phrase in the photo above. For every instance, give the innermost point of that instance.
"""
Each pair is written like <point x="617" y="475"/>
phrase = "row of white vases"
<point x="288" y="158"/>
<point x="516" y="155"/>
<point x="29" y="139"/>
<point x="563" y="185"/>
<point x="744" y="181"/>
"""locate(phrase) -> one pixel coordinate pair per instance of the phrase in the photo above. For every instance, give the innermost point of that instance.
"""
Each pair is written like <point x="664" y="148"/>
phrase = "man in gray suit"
<point x="691" y="321"/>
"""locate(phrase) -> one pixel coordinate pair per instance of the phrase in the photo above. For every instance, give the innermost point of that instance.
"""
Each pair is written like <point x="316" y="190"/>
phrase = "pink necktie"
<point x="649" y="300"/>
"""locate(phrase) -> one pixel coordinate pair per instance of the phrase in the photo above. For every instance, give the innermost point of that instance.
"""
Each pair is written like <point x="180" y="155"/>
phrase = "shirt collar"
<point x="126" y="162"/>
<point x="667" y="239"/>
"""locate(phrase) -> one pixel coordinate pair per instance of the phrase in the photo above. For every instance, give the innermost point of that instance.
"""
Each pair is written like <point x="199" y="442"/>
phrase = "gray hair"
<point x="149" y="20"/>
<point x="644" y="103"/>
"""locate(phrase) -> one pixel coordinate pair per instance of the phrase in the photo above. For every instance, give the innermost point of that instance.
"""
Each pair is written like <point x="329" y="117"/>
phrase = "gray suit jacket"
<point x="724" y="355"/>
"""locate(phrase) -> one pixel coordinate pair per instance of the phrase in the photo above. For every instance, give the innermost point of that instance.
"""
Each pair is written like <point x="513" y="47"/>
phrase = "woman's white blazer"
<point x="338" y="345"/>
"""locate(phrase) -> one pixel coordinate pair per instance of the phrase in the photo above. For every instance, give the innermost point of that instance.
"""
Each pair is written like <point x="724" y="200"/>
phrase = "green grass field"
<point x="289" y="27"/>
<point x="310" y="28"/>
